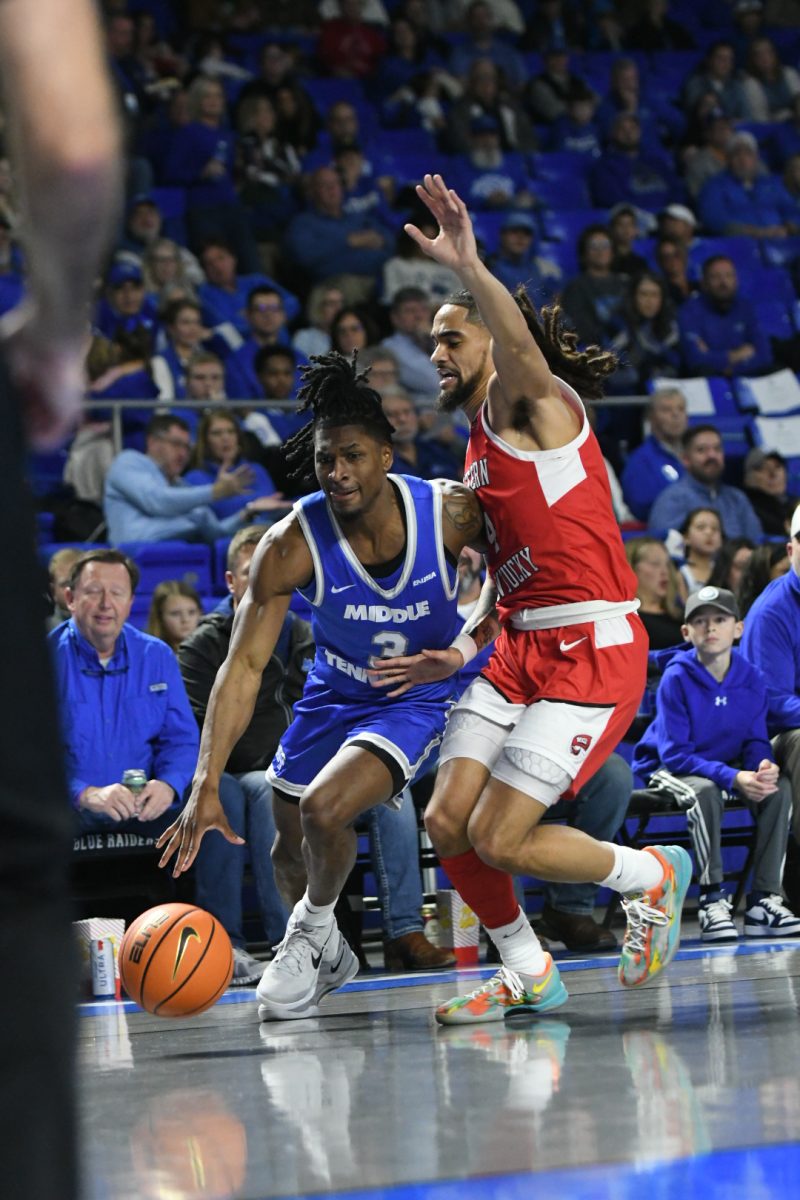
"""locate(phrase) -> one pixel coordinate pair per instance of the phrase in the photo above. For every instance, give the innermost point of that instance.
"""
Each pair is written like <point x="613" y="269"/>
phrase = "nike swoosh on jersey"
<point x="335" y="590"/>
<point x="564" y="646"/>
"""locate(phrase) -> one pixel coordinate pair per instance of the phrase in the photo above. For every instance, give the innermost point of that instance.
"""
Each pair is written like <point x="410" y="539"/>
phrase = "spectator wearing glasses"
<point x="266" y="319"/>
<point x="146" y="499"/>
<point x="123" y="703"/>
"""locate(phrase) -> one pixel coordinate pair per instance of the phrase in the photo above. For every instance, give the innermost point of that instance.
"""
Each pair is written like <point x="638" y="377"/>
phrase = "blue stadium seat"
<point x="47" y="549"/>
<point x="188" y="561"/>
<point x="669" y="70"/>
<point x="556" y="166"/>
<point x="171" y="203"/>
<point x="780" y="252"/>
<point x="743" y="252"/>
<point x="559" y="194"/>
<point x="767" y="283"/>
<point x="567" y="226"/>
<point x="140" y="609"/>
<point x="775" y="317"/>
<point x="45" y="472"/>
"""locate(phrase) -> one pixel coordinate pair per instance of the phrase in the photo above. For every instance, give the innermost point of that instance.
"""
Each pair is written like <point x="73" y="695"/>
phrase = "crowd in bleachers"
<point x="638" y="163"/>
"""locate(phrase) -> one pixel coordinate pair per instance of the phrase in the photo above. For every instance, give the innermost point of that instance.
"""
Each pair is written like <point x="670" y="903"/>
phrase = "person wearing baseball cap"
<point x="518" y="262"/>
<point x="765" y="485"/>
<point x="709" y="744"/>
<point x="771" y="641"/>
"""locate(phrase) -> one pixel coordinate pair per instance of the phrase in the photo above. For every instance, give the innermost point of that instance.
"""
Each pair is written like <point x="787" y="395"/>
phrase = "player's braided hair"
<point x="584" y="370"/>
<point x="337" y="393"/>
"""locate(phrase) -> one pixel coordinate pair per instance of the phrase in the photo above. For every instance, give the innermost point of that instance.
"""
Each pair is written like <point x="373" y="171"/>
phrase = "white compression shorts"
<point x="537" y="749"/>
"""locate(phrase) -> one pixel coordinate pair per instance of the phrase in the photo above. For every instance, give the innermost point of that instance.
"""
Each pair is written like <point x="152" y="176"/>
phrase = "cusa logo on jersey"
<point x="580" y="743"/>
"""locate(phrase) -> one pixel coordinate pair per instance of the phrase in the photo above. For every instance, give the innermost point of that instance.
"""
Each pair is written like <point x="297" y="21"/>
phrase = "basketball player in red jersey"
<point x="568" y="669"/>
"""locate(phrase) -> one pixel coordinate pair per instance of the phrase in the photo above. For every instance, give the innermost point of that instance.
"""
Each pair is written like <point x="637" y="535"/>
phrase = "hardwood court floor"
<point x="691" y="1085"/>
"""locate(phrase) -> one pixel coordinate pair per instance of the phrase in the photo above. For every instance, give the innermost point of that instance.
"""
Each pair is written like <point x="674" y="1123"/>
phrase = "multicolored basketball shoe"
<point x="506" y="992"/>
<point x="654" y="919"/>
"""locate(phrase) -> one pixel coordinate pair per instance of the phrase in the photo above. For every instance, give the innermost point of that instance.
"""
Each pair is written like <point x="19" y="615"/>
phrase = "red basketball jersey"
<point x="553" y="537"/>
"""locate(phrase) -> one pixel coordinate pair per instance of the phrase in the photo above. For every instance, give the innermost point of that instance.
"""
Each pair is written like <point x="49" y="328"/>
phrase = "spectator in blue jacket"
<point x="771" y="642"/>
<point x="123" y="705"/>
<point x="266" y="318"/>
<point x="701" y="487"/>
<point x="517" y="261"/>
<point x="658" y="461"/>
<point x="742" y="201"/>
<point x="487" y="176"/>
<point x="201" y="159"/>
<point x="708" y="743"/>
<point x="224" y="297"/>
<point x="626" y="173"/>
<point x="326" y="241"/>
<point x="720" y="331"/>
<point x="147" y="500"/>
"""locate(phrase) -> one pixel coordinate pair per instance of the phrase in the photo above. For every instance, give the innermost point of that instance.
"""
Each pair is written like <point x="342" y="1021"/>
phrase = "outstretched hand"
<point x="454" y="246"/>
<point x="401" y="674"/>
<point x="183" y="837"/>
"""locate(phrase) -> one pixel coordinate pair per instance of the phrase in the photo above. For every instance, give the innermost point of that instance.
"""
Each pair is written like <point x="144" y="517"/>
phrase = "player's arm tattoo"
<point x="483" y="625"/>
<point x="462" y="514"/>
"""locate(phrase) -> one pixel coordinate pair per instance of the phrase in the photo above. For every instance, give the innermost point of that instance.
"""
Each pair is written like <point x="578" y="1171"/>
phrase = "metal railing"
<point x="118" y="406"/>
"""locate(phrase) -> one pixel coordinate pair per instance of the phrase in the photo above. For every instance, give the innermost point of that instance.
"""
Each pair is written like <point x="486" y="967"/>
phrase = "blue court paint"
<point x="757" y="1173"/>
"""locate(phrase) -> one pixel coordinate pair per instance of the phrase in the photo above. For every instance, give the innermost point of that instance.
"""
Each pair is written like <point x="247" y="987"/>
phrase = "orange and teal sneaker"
<point x="506" y="992"/>
<point x="654" y="919"/>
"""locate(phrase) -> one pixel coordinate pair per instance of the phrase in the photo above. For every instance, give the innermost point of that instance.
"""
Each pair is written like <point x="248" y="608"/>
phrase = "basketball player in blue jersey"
<point x="375" y="555"/>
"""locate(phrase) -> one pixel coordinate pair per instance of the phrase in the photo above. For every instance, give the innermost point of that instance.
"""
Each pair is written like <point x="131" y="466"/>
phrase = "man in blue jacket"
<point x="772" y="642"/>
<point x="701" y="487"/>
<point x="709" y="742"/>
<point x="742" y="201"/>
<point x="123" y="705"/>
<point x="658" y="461"/>
<point x="720" y="330"/>
<point x="146" y="498"/>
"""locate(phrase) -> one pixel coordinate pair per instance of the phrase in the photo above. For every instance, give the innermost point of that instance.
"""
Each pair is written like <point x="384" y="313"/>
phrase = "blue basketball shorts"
<point x="403" y="734"/>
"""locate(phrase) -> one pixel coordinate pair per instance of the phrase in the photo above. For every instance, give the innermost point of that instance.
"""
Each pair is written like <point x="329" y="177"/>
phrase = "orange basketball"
<point x="175" y="960"/>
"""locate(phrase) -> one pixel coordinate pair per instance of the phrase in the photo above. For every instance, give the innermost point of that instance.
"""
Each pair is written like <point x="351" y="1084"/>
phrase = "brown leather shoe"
<point x="413" y="952"/>
<point x="576" y="931"/>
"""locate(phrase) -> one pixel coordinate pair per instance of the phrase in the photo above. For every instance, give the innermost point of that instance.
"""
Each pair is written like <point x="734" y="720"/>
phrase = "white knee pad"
<point x="533" y="773"/>
<point x="469" y="735"/>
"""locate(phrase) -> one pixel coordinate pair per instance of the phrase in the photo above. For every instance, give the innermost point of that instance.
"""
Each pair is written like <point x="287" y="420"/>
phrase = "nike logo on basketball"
<point x="564" y="646"/>
<point x="183" y="942"/>
<point x="335" y="590"/>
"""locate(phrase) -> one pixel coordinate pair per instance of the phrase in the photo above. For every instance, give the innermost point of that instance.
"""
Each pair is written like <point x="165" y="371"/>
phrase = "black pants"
<point x="37" y="966"/>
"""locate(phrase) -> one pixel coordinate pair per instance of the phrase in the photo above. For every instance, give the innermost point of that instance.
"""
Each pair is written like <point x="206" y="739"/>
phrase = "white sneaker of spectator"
<point x="769" y="917"/>
<point x="716" y="923"/>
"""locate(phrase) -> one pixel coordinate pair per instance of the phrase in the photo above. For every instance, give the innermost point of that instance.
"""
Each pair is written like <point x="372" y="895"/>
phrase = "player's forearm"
<point x="229" y="712"/>
<point x="500" y="313"/>
<point x="483" y="624"/>
<point x="65" y="144"/>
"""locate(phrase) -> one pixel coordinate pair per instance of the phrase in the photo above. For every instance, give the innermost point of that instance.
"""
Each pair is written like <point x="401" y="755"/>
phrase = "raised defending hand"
<point x="401" y="674"/>
<point x="454" y="246"/>
<point x="182" y="839"/>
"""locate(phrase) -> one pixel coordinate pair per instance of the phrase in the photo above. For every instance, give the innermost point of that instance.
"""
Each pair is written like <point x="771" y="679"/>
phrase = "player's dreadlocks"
<point x="337" y="394"/>
<point x="584" y="370"/>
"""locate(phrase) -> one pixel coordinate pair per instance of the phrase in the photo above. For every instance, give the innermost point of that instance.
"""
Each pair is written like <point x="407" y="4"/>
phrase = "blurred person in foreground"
<point x="70" y="181"/>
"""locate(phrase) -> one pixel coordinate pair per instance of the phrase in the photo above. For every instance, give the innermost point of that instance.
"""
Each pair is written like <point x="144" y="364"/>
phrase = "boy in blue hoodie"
<point x="708" y="743"/>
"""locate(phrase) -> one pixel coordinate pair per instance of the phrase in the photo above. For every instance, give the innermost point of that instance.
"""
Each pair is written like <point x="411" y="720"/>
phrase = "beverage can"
<point x="104" y="986"/>
<point x="134" y="780"/>
<point x="430" y="924"/>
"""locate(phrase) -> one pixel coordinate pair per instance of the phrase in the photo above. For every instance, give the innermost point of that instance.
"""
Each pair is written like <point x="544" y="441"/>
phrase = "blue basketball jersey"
<point x="357" y="619"/>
